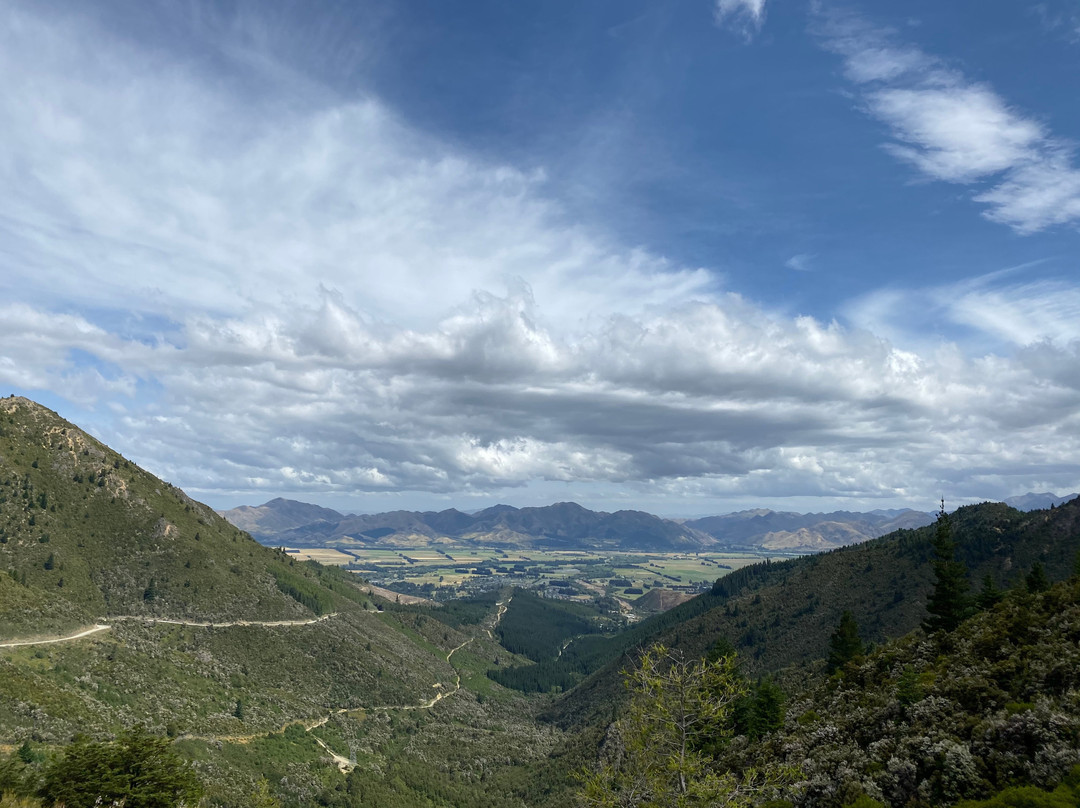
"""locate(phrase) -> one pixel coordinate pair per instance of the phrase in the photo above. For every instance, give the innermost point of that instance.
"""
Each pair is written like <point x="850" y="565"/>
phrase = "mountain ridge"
<point x="561" y="525"/>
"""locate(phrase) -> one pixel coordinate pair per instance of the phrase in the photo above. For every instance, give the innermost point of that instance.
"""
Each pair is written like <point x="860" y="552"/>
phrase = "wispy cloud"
<point x="744" y="16"/>
<point x="957" y="130"/>
<point x="800" y="263"/>
<point x="1060" y="18"/>
<point x="1003" y="310"/>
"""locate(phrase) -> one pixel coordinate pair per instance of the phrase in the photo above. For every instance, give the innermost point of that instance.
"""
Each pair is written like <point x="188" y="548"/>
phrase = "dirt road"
<point x="102" y="627"/>
<point x="49" y="640"/>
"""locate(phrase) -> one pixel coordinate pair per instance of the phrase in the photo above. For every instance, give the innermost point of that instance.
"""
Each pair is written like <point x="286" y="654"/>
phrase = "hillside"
<point x="782" y="614"/>
<point x="255" y="664"/>
<point x="84" y="534"/>
<point x="563" y="525"/>
<point x="963" y="716"/>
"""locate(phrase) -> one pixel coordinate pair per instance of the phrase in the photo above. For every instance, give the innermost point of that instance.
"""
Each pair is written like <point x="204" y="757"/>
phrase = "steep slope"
<point x="782" y="614"/>
<point x="85" y="533"/>
<point x="256" y="664"/>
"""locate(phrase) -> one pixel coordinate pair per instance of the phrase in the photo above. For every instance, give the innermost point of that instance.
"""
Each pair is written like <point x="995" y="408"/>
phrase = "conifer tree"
<point x="845" y="643"/>
<point x="949" y="604"/>
<point x="1036" y="579"/>
<point x="989" y="595"/>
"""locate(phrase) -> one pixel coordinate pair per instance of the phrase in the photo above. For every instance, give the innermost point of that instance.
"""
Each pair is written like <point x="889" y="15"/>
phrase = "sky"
<point x="684" y="256"/>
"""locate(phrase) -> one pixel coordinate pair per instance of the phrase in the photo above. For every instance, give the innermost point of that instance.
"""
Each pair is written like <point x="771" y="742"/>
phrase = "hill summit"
<point x="86" y="534"/>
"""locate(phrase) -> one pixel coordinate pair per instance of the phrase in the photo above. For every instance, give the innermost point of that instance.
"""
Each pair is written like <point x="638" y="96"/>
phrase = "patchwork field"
<point x="450" y="571"/>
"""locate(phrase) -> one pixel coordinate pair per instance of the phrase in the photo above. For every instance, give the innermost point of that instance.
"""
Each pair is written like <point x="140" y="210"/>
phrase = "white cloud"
<point x="704" y="400"/>
<point x="956" y="133"/>
<point x="123" y="165"/>
<point x="745" y="16"/>
<point x="953" y="129"/>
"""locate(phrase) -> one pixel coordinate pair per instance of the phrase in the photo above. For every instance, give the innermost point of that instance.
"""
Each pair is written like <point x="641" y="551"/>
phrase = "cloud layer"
<point x="296" y="293"/>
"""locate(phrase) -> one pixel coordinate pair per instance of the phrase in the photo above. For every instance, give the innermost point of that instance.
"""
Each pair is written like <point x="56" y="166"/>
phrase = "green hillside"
<point x="253" y="665"/>
<point x="86" y="534"/>
<point x="983" y="716"/>
<point x="925" y="723"/>
<point x="782" y="614"/>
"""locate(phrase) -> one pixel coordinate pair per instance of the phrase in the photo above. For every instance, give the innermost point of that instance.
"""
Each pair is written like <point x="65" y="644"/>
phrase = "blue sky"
<point x="688" y="256"/>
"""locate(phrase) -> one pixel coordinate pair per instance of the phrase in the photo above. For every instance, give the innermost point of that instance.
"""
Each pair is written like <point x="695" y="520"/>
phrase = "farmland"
<point x="453" y="571"/>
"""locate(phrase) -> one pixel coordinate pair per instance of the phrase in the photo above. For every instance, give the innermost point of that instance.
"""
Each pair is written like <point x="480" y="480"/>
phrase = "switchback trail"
<point x="343" y="763"/>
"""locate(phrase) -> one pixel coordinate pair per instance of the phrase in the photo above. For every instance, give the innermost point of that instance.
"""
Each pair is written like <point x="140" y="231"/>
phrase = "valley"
<point x="456" y="673"/>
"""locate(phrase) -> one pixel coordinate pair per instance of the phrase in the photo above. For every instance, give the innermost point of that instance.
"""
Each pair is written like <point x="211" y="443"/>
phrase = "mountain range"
<point x="567" y="525"/>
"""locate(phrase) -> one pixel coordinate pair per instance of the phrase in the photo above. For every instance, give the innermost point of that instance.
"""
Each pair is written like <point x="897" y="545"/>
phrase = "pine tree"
<point x="1036" y="580"/>
<point x="949" y="604"/>
<point x="989" y="595"/>
<point x="845" y="643"/>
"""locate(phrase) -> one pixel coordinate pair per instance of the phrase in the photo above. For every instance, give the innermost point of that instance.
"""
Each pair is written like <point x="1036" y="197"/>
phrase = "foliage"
<point x="1066" y="795"/>
<point x="989" y="595"/>
<point x="981" y="710"/>
<point x="308" y="593"/>
<point x="138" y="771"/>
<point x="1036" y="580"/>
<point x="678" y="708"/>
<point x="537" y="628"/>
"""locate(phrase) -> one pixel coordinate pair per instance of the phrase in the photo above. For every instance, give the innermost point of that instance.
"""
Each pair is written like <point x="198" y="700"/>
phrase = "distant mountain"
<point x="278" y="515"/>
<point x="764" y="529"/>
<point x="1038" y="502"/>
<point x="564" y="525"/>
<point x="567" y="525"/>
